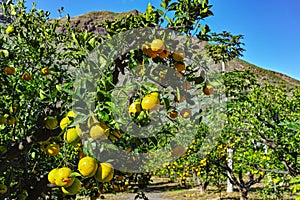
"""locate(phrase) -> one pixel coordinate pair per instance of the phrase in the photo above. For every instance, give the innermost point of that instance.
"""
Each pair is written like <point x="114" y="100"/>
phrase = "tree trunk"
<point x="203" y="187"/>
<point x="243" y="194"/>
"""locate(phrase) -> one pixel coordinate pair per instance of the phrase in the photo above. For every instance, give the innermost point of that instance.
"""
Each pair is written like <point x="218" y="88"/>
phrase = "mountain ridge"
<point x="90" y="21"/>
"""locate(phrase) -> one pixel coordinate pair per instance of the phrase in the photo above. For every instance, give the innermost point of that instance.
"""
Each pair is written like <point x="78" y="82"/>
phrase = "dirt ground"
<point x="162" y="189"/>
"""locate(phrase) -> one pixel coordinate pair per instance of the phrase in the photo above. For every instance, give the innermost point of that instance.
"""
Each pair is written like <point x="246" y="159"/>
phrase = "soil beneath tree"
<point x="163" y="189"/>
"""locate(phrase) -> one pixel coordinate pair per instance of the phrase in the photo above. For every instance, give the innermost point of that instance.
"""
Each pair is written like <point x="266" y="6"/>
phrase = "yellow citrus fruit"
<point x="151" y="101"/>
<point x="3" y="119"/>
<point x="186" y="113"/>
<point x="9" y="70"/>
<point x="173" y="114"/>
<point x="3" y="188"/>
<point x="134" y="108"/>
<point x="152" y="54"/>
<point x="71" y="114"/>
<point x="45" y="71"/>
<point x="50" y="122"/>
<point x="52" y="149"/>
<point x="87" y="166"/>
<point x="164" y="54"/>
<point x="72" y="189"/>
<point x="147" y="50"/>
<point x="64" y="122"/>
<point x="99" y="131"/>
<point x="179" y="66"/>
<point x="78" y="129"/>
<point x="52" y="175"/>
<point x="62" y="178"/>
<point x="26" y="76"/>
<point x="105" y="172"/>
<point x="178" y="55"/>
<point x="71" y="136"/>
<point x="208" y="89"/>
<point x="157" y="45"/>
<point x="145" y="47"/>
<point x="9" y="29"/>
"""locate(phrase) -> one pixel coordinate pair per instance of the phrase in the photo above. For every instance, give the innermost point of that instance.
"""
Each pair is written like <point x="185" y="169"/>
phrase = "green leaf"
<point x="43" y="95"/>
<point x="149" y="11"/>
<point x="291" y="125"/>
<point x="74" y="38"/>
<point x="74" y="174"/>
<point x="4" y="53"/>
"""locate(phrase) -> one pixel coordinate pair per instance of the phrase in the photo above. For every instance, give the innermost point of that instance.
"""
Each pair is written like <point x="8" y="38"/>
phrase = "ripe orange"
<point x="173" y="114"/>
<point x="52" y="149"/>
<point x="134" y="108"/>
<point x="26" y="76"/>
<point x="151" y="101"/>
<point x="99" y="131"/>
<point x="208" y="89"/>
<point x="105" y="172"/>
<point x="147" y="50"/>
<point x="178" y="55"/>
<point x="45" y="71"/>
<point x="157" y="45"/>
<point x="186" y="113"/>
<point x="9" y="70"/>
<point x="164" y="54"/>
<point x="62" y="178"/>
<point x="87" y="166"/>
<point x="179" y="66"/>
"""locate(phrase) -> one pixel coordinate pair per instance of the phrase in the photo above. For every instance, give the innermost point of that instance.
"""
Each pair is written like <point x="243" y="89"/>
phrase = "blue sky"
<point x="270" y="27"/>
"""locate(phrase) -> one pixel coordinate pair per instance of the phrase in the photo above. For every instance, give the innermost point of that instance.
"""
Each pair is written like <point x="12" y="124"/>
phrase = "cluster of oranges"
<point x="88" y="167"/>
<point x="10" y="70"/>
<point x="149" y="102"/>
<point x="157" y="48"/>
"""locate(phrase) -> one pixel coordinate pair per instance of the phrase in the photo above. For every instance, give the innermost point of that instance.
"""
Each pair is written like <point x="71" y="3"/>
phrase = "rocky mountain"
<point x="90" y="20"/>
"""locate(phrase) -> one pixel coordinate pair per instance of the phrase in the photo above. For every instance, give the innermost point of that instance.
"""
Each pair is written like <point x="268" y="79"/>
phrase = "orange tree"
<point x="38" y="71"/>
<point x="264" y="147"/>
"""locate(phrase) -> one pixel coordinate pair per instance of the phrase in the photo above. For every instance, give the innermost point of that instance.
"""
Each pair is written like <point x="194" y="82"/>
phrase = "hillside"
<point x="90" y="20"/>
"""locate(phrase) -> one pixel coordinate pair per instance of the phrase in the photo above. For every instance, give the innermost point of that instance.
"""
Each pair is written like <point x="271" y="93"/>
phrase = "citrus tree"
<point x="48" y="140"/>
<point x="263" y="146"/>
